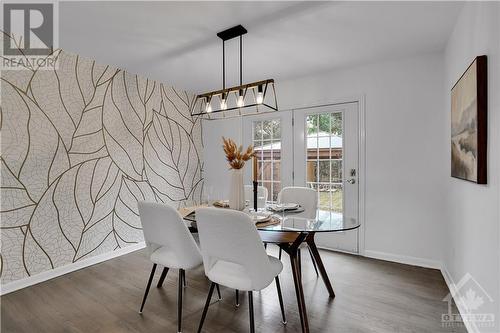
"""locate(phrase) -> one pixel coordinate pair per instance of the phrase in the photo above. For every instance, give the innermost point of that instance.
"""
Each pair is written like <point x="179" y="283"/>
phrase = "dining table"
<point x="290" y="232"/>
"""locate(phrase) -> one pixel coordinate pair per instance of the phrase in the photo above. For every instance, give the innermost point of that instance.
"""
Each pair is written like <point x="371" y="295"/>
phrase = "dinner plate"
<point x="260" y="217"/>
<point x="284" y="207"/>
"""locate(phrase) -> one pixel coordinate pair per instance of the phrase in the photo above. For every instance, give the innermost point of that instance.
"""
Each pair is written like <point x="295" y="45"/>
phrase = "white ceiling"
<point x="176" y="42"/>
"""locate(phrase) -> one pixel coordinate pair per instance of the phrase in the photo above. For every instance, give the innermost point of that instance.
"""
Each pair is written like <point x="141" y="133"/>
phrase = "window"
<point x="267" y="145"/>
<point x="324" y="159"/>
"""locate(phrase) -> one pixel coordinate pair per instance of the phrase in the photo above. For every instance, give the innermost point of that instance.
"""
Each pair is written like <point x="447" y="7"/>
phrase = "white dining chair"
<point x="307" y="198"/>
<point x="234" y="256"/>
<point x="170" y="245"/>
<point x="262" y="194"/>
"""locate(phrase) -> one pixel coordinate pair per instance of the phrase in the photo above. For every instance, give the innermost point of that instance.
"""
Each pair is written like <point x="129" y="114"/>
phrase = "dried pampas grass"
<point x="235" y="155"/>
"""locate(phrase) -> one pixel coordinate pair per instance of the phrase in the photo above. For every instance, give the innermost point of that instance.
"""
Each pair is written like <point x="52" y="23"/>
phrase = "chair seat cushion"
<point x="165" y="257"/>
<point x="235" y="276"/>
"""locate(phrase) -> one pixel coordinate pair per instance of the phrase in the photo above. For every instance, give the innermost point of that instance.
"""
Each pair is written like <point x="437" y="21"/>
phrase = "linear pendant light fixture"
<point x="242" y="100"/>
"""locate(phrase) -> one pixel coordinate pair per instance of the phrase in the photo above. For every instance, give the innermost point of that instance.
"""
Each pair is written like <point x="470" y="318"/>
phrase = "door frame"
<point x="361" y="100"/>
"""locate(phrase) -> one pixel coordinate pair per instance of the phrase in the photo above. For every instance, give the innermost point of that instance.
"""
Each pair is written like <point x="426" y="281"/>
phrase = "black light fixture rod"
<point x="241" y="60"/>
<point x="223" y="65"/>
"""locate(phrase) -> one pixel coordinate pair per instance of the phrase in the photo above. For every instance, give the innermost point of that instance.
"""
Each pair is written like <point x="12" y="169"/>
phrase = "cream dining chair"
<point x="307" y="198"/>
<point x="234" y="256"/>
<point x="261" y="195"/>
<point x="170" y="245"/>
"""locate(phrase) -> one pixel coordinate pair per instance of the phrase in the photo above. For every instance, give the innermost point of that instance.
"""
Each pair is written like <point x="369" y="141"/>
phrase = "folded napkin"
<point x="272" y="221"/>
<point x="222" y="203"/>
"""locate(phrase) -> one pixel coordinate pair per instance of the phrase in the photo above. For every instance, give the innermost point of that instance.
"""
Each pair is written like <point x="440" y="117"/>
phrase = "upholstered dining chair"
<point x="262" y="194"/>
<point x="234" y="256"/>
<point x="170" y="245"/>
<point x="307" y="198"/>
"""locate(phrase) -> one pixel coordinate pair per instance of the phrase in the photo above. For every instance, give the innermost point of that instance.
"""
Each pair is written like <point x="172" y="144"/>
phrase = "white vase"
<point x="236" y="190"/>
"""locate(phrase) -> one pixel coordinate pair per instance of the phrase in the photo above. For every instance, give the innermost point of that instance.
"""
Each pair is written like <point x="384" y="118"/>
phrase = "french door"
<point x="271" y="137"/>
<point x="314" y="147"/>
<point x="326" y="158"/>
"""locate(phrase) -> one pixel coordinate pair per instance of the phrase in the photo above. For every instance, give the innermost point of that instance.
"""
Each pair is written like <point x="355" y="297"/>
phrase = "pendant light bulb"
<point x="223" y="102"/>
<point x="260" y="95"/>
<point x="240" y="102"/>
<point x="208" y="106"/>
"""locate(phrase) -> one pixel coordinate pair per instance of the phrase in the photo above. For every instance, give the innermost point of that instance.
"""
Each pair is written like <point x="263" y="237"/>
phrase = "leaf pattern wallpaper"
<point x="81" y="144"/>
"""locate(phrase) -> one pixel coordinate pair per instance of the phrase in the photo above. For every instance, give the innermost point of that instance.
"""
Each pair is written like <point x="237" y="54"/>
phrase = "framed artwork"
<point x="469" y="119"/>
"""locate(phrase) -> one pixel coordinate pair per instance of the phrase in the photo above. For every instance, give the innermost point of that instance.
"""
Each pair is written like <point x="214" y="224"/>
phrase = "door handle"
<point x="351" y="181"/>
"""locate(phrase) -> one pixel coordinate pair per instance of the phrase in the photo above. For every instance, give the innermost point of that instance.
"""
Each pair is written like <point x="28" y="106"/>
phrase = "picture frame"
<point x="469" y="123"/>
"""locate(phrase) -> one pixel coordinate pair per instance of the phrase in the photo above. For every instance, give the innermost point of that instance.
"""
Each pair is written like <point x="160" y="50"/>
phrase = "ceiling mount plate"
<point x="233" y="32"/>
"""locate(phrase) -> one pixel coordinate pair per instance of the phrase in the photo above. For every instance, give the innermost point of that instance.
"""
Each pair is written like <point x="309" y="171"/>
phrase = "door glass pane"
<point x="336" y="174"/>
<point x="325" y="124"/>
<point x="337" y="198"/>
<point x="276" y="190"/>
<point x="312" y="124"/>
<point x="267" y="144"/>
<point x="267" y="130"/>
<point x="269" y="186"/>
<point x="324" y="159"/>
<point x="324" y="171"/>
<point x="277" y="169"/>
<point x="276" y="129"/>
<point x="266" y="171"/>
<point x="257" y="131"/>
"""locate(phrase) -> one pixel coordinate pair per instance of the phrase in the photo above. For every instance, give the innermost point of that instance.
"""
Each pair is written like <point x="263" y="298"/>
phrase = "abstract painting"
<point x="469" y="123"/>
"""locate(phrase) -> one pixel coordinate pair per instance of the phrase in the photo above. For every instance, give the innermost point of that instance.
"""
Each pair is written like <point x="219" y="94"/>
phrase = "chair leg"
<point x="250" y="311"/>
<point x="280" y="297"/>
<point x="218" y="291"/>
<point x="207" y="304"/>
<point x="162" y="277"/>
<point x="184" y="281"/>
<point x="299" y="260"/>
<point x="280" y="254"/>
<point x="179" y="301"/>
<point x="313" y="261"/>
<point x="237" y="298"/>
<point x="147" y="287"/>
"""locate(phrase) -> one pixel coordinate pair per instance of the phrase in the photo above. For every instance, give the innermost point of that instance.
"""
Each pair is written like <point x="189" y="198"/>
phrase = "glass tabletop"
<point x="325" y="221"/>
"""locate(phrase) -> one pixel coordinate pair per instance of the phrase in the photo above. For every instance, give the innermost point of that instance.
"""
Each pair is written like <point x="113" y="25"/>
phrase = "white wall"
<point x="405" y="149"/>
<point x="415" y="211"/>
<point x="472" y="231"/>
<point x="216" y="170"/>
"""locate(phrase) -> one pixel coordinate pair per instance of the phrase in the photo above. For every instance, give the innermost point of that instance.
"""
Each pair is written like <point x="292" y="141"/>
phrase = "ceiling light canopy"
<point x="241" y="100"/>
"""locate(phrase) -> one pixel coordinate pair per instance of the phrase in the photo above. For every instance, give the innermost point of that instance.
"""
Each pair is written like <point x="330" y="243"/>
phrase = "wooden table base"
<point x="290" y="243"/>
<point x="293" y="250"/>
<point x="317" y="258"/>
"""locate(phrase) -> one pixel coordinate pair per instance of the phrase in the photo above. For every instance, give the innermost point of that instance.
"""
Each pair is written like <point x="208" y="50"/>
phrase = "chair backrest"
<point x="261" y="195"/>
<point x="231" y="236"/>
<point x="163" y="226"/>
<point x="304" y="196"/>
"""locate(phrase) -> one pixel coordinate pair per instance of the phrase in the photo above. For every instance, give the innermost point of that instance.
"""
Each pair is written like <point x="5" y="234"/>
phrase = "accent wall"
<point x="81" y="145"/>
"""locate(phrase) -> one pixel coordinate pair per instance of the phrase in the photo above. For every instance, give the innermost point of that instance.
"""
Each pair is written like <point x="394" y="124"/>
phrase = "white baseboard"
<point x="58" y="271"/>
<point x="414" y="261"/>
<point x="337" y="250"/>
<point x="471" y="327"/>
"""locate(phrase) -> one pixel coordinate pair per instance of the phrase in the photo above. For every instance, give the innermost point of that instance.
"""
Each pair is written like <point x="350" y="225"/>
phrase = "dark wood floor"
<point x="372" y="296"/>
